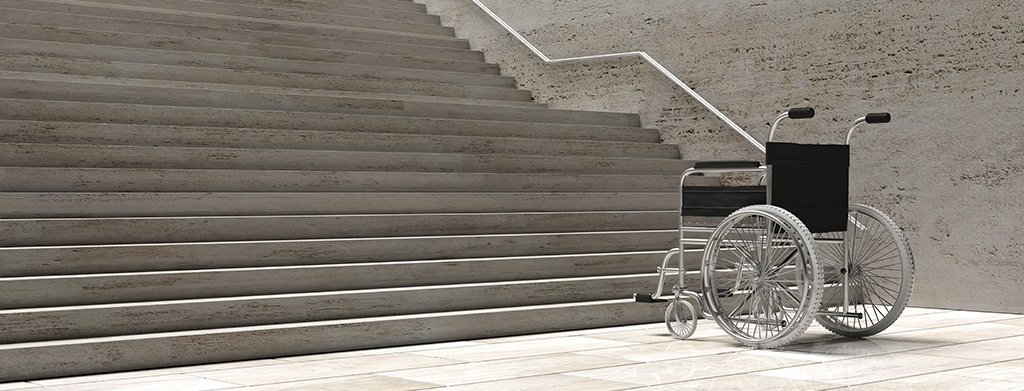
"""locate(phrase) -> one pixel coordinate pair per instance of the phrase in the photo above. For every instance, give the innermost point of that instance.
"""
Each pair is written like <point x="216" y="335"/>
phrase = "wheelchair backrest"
<point x="811" y="181"/>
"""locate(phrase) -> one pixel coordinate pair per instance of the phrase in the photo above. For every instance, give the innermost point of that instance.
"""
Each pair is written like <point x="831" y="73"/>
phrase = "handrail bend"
<point x="642" y="55"/>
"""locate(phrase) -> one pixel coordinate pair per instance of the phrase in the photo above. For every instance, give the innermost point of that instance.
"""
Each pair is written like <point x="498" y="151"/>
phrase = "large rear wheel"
<point x="877" y="279"/>
<point x="761" y="277"/>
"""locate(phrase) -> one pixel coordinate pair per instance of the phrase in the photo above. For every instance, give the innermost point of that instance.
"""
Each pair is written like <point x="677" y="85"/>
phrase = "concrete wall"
<point x="948" y="168"/>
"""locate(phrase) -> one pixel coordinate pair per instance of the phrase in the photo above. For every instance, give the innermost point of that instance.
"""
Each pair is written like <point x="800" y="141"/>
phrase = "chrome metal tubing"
<point x="775" y="124"/>
<point x="640" y="54"/>
<point x="857" y="315"/>
<point x="856" y="122"/>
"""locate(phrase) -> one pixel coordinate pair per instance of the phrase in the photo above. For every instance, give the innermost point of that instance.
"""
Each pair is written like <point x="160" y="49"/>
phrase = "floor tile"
<point x="18" y="386"/>
<point x="301" y="371"/>
<point x="1012" y="371"/>
<point x="951" y="318"/>
<point x="1002" y="349"/>
<point x="153" y="372"/>
<point x="504" y="350"/>
<point x="381" y="351"/>
<point x="668" y="350"/>
<point x="545" y="383"/>
<point x="913" y="311"/>
<point x="476" y="372"/>
<point x="958" y="334"/>
<point x="1012" y="322"/>
<point x="347" y="383"/>
<point x="940" y="382"/>
<point x="743" y="382"/>
<point x="871" y="369"/>
<point x="844" y="348"/>
<point x="673" y="371"/>
<point x="154" y="383"/>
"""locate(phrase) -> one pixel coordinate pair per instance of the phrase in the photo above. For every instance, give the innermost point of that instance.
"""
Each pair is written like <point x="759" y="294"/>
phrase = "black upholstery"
<point x="812" y="182"/>
<point x="728" y="164"/>
<point x="720" y="201"/>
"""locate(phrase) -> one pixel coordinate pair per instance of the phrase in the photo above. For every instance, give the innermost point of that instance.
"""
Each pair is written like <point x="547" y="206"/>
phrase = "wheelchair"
<point x="776" y="255"/>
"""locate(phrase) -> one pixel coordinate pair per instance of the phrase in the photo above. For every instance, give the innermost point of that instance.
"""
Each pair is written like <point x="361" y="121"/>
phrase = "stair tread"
<point x="31" y="20"/>
<point x="122" y="84"/>
<point x="44" y="35"/>
<point x="123" y="113"/>
<point x="222" y="137"/>
<point x="67" y="88"/>
<point x="177" y="73"/>
<point x="309" y="20"/>
<point x="77" y="231"/>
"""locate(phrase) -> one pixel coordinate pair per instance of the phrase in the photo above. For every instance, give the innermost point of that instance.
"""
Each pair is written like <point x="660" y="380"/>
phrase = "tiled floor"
<point x="925" y="349"/>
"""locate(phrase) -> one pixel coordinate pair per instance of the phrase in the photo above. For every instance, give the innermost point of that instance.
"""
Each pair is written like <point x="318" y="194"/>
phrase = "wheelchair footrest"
<point x="644" y="297"/>
<point x="838" y="314"/>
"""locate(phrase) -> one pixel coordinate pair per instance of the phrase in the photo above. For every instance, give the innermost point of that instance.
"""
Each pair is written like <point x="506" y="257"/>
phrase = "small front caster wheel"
<point x="681" y="319"/>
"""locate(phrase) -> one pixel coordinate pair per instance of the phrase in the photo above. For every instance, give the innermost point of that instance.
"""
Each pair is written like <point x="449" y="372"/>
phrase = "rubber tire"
<point x="881" y="269"/>
<point x="681" y="319"/>
<point x="755" y="311"/>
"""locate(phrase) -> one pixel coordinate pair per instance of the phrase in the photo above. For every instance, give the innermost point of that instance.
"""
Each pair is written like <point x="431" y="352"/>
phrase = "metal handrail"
<point x="642" y="55"/>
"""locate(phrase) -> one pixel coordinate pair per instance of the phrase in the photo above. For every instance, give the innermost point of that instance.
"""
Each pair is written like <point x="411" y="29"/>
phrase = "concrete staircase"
<point x="196" y="181"/>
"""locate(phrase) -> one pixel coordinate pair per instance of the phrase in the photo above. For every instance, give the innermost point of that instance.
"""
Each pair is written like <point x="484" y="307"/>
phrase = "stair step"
<point x="185" y="93"/>
<point x="46" y="179"/>
<point x="79" y="88"/>
<point x="274" y="12"/>
<point x="159" y="135"/>
<point x="111" y="354"/>
<point x="28" y="47"/>
<point x="95" y="112"/>
<point x="308" y="5"/>
<point x="90" y="231"/>
<point x="521" y="253"/>
<point x="119" y="156"/>
<point x="184" y="46"/>
<point x="82" y="67"/>
<point x="92" y="9"/>
<point x="68" y="205"/>
<point x="307" y="19"/>
<point x="332" y="15"/>
<point x="93" y="289"/>
<point x="92" y="321"/>
<point x="222" y="36"/>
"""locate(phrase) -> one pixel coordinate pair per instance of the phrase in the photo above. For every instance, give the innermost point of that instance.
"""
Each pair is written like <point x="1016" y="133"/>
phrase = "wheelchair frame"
<point x="765" y="276"/>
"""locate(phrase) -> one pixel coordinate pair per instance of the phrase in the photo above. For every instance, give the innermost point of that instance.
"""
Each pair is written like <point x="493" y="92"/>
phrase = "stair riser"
<point x="71" y="260"/>
<point x="185" y="46"/>
<point x="314" y="21"/>
<point x="29" y="23"/>
<point x="142" y="135"/>
<point x="59" y="291"/>
<point x="253" y="98"/>
<point x="271" y="12"/>
<point x="245" y="63"/>
<point x="334" y="31"/>
<point x="326" y="6"/>
<point x="18" y="179"/>
<point x="35" y="64"/>
<point x="18" y="233"/>
<point x="22" y="362"/>
<point x="56" y="205"/>
<point x="86" y="156"/>
<point x="20" y="109"/>
<point x="100" y="321"/>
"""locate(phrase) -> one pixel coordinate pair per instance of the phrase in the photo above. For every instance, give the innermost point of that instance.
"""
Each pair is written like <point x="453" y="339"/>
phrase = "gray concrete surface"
<point x="947" y="168"/>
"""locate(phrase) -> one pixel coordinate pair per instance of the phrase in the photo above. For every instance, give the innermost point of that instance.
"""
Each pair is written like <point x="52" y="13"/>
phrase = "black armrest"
<point x="726" y="164"/>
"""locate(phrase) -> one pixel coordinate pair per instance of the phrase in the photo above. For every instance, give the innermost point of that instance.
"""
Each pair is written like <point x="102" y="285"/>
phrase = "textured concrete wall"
<point x="948" y="169"/>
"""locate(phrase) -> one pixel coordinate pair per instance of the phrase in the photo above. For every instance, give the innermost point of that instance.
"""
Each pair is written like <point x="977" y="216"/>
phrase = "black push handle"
<point x="873" y="118"/>
<point x="801" y="112"/>
<point x="877" y="118"/>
